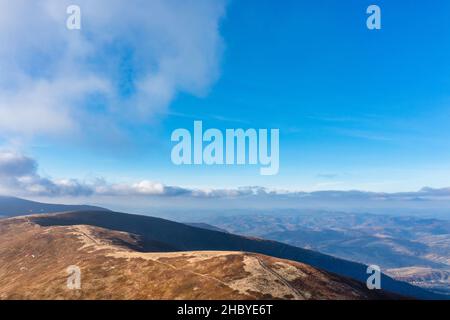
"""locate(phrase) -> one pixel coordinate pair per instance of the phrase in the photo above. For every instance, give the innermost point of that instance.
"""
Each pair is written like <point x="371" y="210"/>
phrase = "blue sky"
<point x="356" y="109"/>
<point x="367" y="108"/>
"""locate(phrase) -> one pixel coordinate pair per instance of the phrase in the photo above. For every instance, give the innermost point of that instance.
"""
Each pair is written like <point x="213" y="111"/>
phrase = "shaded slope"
<point x="34" y="259"/>
<point x="186" y="238"/>
<point x="205" y="226"/>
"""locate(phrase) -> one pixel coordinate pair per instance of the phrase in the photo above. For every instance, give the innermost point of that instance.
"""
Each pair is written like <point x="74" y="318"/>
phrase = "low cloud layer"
<point x="19" y="176"/>
<point x="130" y="59"/>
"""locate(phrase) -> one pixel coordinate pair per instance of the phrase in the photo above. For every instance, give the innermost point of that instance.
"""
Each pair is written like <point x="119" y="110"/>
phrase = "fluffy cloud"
<point x="19" y="176"/>
<point x="132" y="59"/>
<point x="15" y="165"/>
<point x="141" y="188"/>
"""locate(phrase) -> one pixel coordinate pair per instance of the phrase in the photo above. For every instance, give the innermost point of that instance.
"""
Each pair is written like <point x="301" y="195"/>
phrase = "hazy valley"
<point x="408" y="248"/>
<point x="124" y="256"/>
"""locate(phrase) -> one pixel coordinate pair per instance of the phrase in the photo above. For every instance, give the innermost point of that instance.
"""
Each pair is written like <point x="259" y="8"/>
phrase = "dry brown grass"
<point x="33" y="262"/>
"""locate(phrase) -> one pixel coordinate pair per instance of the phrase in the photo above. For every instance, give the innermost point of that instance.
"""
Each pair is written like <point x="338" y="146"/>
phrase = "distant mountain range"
<point x="145" y="235"/>
<point x="400" y="245"/>
<point x="11" y="206"/>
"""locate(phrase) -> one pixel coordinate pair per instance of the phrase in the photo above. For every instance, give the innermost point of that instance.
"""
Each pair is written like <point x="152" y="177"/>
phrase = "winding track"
<point x="298" y="295"/>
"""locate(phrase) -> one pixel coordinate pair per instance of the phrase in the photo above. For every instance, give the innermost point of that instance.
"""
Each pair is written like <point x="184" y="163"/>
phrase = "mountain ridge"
<point x="35" y="259"/>
<point x="188" y="238"/>
<point x="13" y="206"/>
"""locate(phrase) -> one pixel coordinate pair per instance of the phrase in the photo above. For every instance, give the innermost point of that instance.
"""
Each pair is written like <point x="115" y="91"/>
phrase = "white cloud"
<point x="49" y="72"/>
<point x="15" y="165"/>
<point x="19" y="177"/>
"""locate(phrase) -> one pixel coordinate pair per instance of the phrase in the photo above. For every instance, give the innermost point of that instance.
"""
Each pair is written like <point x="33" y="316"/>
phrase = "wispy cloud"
<point x="327" y="175"/>
<point x="51" y="76"/>
<point x="210" y="116"/>
<point x="363" y="134"/>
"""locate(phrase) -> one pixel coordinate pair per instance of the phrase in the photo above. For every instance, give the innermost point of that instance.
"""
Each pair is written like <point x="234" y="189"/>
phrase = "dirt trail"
<point x="90" y="240"/>
<point x="297" y="294"/>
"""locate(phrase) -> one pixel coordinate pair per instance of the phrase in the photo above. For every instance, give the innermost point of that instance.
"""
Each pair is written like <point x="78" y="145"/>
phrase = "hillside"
<point x="11" y="206"/>
<point x="35" y="252"/>
<point x="406" y="244"/>
<point x="180" y="237"/>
